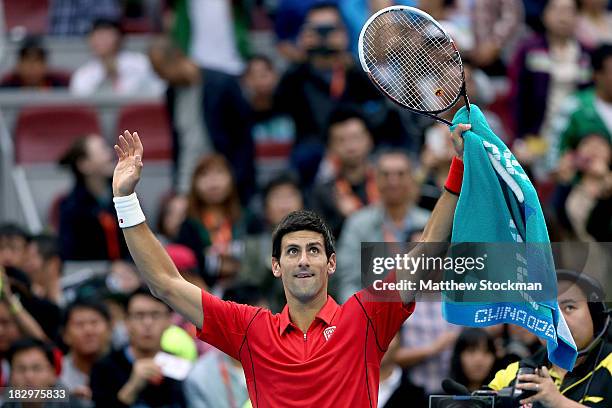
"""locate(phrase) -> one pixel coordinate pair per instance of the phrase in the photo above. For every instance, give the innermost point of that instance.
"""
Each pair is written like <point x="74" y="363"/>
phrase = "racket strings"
<point x="413" y="61"/>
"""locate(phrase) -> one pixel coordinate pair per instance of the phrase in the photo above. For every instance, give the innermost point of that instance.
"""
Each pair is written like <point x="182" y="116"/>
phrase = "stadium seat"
<point x="29" y="14"/>
<point x="152" y="123"/>
<point x="42" y="134"/>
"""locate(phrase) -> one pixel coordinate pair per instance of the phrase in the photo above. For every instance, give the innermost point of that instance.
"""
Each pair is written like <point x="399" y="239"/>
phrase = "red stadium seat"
<point x="152" y="123"/>
<point x="42" y="134"/>
<point x="30" y="14"/>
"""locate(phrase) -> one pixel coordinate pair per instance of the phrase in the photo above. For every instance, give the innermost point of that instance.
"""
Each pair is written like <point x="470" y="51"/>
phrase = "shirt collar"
<point x="326" y="314"/>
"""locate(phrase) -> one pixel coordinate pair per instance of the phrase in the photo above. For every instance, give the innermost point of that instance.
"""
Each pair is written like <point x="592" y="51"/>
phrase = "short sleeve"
<point x="225" y="323"/>
<point x="387" y="313"/>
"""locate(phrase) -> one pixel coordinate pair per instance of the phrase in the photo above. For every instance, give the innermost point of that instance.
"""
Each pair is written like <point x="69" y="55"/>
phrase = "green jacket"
<point x="583" y="120"/>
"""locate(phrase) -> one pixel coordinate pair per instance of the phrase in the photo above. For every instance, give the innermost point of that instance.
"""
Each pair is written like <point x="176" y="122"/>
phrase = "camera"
<point x="508" y="397"/>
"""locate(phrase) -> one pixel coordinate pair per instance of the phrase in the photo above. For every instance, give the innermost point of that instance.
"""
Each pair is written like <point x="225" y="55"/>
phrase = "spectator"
<point x="309" y="91"/>
<point x="225" y="386"/>
<point x="213" y="33"/>
<point x="473" y="359"/>
<point x="34" y="365"/>
<point x="356" y="12"/>
<point x="172" y="213"/>
<point x="290" y="16"/>
<point x="281" y="197"/>
<point x="113" y="70"/>
<point x="31" y="70"/>
<point x="587" y="112"/>
<point x="591" y="162"/>
<point x="594" y="25"/>
<point x="546" y="70"/>
<point x="87" y="333"/>
<point x="350" y="183"/>
<point x="426" y="346"/>
<point x="13" y="246"/>
<point x="590" y="382"/>
<point x="216" y="222"/>
<point x="9" y="333"/>
<point x="44" y="268"/>
<point x="396" y="218"/>
<point x="453" y="19"/>
<point x="76" y="17"/>
<point x="130" y="376"/>
<point x="273" y="131"/>
<point x="211" y="36"/>
<point x="495" y="23"/>
<point x="394" y="390"/>
<point x="88" y="222"/>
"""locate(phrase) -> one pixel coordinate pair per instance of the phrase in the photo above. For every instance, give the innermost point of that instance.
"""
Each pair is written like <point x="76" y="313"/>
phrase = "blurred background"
<point x="248" y="110"/>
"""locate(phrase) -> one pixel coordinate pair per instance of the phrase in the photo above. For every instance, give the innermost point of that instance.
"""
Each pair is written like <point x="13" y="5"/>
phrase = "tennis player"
<point x="315" y="353"/>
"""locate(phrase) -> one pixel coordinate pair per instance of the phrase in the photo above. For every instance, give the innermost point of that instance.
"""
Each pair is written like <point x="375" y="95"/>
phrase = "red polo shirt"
<point x="336" y="363"/>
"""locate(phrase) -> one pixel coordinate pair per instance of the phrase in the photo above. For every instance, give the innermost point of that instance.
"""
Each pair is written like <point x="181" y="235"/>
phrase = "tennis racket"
<point x="413" y="61"/>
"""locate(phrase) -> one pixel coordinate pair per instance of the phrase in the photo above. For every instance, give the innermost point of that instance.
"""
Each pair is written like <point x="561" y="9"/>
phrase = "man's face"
<point x="351" y="142"/>
<point x="324" y="31"/>
<point x="303" y="265"/>
<point x="560" y="18"/>
<point x="104" y="42"/>
<point x="394" y="179"/>
<point x="261" y="78"/>
<point x="99" y="158"/>
<point x="281" y="201"/>
<point x="147" y="319"/>
<point x="87" y="332"/>
<point x="32" y="68"/>
<point x="575" y="309"/>
<point x="9" y="332"/>
<point x="603" y="80"/>
<point x="13" y="251"/>
<point x="31" y="369"/>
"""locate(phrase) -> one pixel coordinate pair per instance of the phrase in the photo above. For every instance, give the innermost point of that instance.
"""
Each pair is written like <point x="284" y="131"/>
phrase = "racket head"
<point x="411" y="58"/>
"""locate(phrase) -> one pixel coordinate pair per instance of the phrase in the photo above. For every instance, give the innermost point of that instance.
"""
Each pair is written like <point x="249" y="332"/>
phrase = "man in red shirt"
<point x="315" y="352"/>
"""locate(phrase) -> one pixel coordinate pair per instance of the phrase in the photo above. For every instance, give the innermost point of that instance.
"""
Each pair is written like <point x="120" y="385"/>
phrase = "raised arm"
<point x="440" y="224"/>
<point x="150" y="257"/>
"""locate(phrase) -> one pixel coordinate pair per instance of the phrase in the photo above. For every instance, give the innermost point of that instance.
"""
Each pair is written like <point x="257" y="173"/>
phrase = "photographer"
<point x="590" y="383"/>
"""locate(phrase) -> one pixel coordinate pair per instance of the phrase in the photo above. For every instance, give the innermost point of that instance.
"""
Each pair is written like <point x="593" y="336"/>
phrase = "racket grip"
<point x="455" y="177"/>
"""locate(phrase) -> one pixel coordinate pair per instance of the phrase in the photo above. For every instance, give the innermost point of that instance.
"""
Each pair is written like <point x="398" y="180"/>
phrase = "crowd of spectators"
<point x="259" y="135"/>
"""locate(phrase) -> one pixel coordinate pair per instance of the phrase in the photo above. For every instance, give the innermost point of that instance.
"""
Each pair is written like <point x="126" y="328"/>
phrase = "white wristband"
<point x="128" y="210"/>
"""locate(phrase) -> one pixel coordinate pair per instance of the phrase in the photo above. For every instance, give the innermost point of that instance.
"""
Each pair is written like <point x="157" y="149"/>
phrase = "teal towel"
<point x="498" y="204"/>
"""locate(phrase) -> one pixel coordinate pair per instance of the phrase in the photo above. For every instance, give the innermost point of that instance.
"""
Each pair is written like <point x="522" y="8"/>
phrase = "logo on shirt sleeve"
<point x="327" y="333"/>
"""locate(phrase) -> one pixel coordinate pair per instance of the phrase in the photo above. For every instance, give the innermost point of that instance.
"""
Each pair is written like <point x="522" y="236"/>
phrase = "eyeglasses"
<point x="141" y="316"/>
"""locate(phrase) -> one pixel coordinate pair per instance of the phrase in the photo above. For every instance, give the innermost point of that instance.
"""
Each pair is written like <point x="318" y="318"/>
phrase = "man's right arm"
<point x="150" y="257"/>
<point x="161" y="275"/>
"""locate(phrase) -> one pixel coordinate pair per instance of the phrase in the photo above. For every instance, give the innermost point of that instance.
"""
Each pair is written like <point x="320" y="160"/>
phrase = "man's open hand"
<point x="127" y="172"/>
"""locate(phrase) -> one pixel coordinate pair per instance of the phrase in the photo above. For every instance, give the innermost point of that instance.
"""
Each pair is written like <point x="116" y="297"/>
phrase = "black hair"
<point x="285" y="179"/>
<point x="89" y="304"/>
<point x="260" y="57"/>
<point x="302" y="220"/>
<point x="143" y="291"/>
<point x="13" y="230"/>
<point x="323" y="5"/>
<point x="33" y="45"/>
<point x="243" y="293"/>
<point x="343" y="112"/>
<point x="470" y="339"/>
<point x="599" y="56"/>
<point x="28" y="344"/>
<point x="106" y="23"/>
<point x="392" y="150"/>
<point x="76" y="152"/>
<point x="47" y="246"/>
<point x="593" y="292"/>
